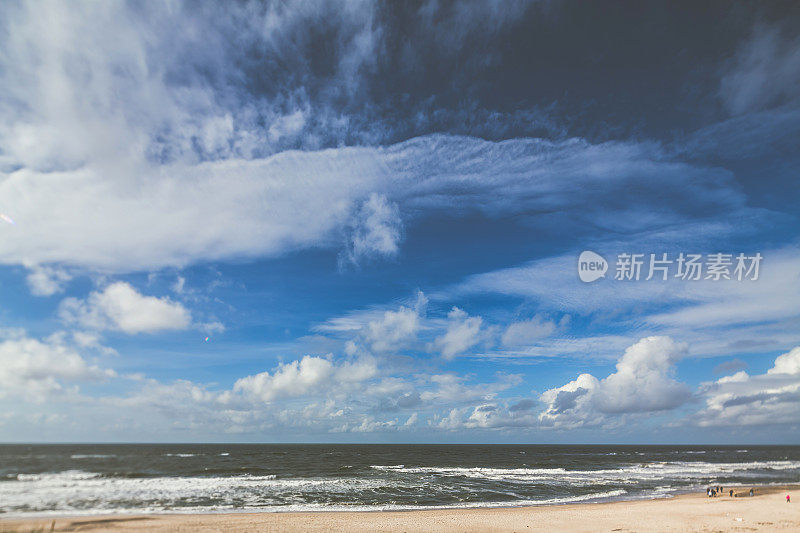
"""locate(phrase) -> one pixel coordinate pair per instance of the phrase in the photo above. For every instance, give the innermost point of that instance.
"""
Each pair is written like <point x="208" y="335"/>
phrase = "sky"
<point x="362" y="222"/>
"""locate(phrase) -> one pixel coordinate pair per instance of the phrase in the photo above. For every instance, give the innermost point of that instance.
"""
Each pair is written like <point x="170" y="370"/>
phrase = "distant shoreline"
<point x="766" y="511"/>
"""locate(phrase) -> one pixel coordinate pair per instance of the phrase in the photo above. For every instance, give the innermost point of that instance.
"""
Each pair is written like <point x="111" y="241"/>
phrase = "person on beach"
<point x="787" y="499"/>
<point x="731" y="493"/>
<point x="752" y="493"/>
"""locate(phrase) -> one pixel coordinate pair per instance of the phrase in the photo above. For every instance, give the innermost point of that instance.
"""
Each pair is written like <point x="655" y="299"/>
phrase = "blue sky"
<point x="361" y="222"/>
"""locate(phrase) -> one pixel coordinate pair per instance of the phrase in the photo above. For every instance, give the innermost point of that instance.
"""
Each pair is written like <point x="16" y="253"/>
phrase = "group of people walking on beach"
<point x="713" y="491"/>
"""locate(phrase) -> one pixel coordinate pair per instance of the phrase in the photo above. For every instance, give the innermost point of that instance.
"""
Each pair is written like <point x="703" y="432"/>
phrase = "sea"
<point x="83" y="479"/>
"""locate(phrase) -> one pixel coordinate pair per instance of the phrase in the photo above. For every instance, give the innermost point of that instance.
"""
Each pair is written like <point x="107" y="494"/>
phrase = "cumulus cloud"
<point x="47" y="281"/>
<point x="484" y="416"/>
<point x="643" y="382"/>
<point x="120" y="307"/>
<point x="380" y="331"/>
<point x="309" y="375"/>
<point x="395" y="328"/>
<point x="571" y="405"/>
<point x="321" y="394"/>
<point x="454" y="389"/>
<point x="741" y="400"/>
<point x="34" y="368"/>
<point x="788" y="363"/>
<point x="463" y="332"/>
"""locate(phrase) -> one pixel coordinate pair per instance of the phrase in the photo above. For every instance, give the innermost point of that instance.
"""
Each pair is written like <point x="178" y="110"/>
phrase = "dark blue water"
<point x="77" y="479"/>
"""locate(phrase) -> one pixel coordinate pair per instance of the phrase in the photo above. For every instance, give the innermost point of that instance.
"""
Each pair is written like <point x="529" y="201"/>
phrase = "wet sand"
<point x="766" y="511"/>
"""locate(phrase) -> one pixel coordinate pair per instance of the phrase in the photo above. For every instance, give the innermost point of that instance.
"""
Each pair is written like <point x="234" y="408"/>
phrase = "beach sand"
<point x="766" y="511"/>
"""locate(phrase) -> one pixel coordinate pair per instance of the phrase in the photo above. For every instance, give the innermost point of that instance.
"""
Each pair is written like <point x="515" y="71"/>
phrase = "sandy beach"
<point x="766" y="511"/>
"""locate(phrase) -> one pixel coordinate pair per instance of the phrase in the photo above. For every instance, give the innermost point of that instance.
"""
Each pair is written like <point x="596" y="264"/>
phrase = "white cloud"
<point x="312" y="393"/>
<point x="571" y="405"/>
<point x="99" y="81"/>
<point x="35" y="369"/>
<point x="379" y="330"/>
<point x="742" y="400"/>
<point x="376" y="230"/>
<point x="772" y="297"/>
<point x="183" y="213"/>
<point x="310" y="375"/>
<point x="287" y="126"/>
<point x="531" y="330"/>
<point x="47" y="281"/>
<point x="97" y="98"/>
<point x="492" y="415"/>
<point x="643" y="382"/>
<point x="395" y="328"/>
<point x="120" y="307"/>
<point x="91" y="341"/>
<point x="179" y="286"/>
<point x="788" y="363"/>
<point x="463" y="332"/>
<point x="451" y="389"/>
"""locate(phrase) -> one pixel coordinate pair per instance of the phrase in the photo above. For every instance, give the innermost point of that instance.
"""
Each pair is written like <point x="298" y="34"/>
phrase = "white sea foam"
<point x="388" y="467"/>
<point x="58" y="477"/>
<point x="260" y="504"/>
<point x="628" y="474"/>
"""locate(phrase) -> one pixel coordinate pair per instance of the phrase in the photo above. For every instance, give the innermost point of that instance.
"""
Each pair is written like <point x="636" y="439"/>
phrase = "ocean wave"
<point x="321" y="507"/>
<point x="390" y="486"/>
<point x="627" y="474"/>
<point x="58" y="477"/>
<point x="91" y="456"/>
